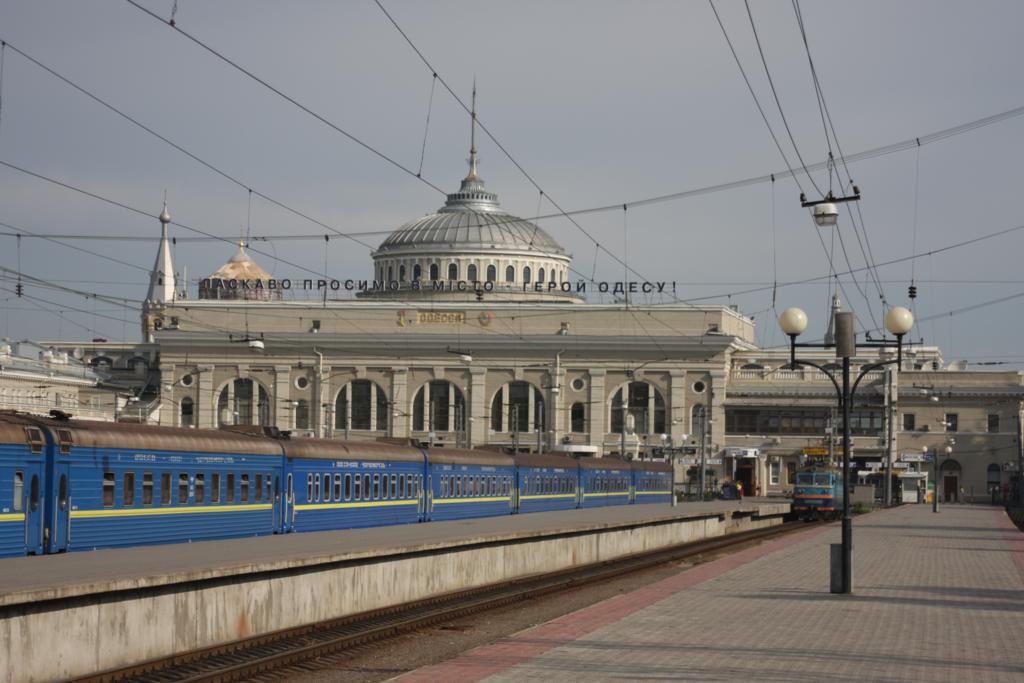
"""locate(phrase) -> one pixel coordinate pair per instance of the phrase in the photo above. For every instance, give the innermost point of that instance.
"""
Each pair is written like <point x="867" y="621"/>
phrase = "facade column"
<point x="531" y="406"/>
<point x="373" y="406"/>
<point x="557" y="408"/>
<point x="169" y="413"/>
<point x="452" y="427"/>
<point x="677" y="417"/>
<point x="231" y="409"/>
<point x="206" y="405"/>
<point x="399" y="422"/>
<point x="476" y="420"/>
<point x="283" y="414"/>
<point x="505" y="426"/>
<point x="716" y="411"/>
<point x="650" y="412"/>
<point x="598" y="409"/>
<point x="428" y="424"/>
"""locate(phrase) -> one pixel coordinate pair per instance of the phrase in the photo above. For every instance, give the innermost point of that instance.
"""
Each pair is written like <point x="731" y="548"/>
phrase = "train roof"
<point x="96" y="434"/>
<point x="545" y="460"/>
<point x="465" y="456"/>
<point x="605" y="463"/>
<point x="332" y="449"/>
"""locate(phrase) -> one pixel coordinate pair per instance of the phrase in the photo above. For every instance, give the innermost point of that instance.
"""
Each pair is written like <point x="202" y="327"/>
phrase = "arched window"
<point x="401" y="273"/>
<point x="510" y="408"/>
<point x="510" y="274"/>
<point x="453" y="271"/>
<point x="243" y="402"/>
<point x="527" y="273"/>
<point x="540" y="275"/>
<point x="438" y="407"/>
<point x="471" y="272"/>
<point x="301" y="414"/>
<point x="578" y="418"/>
<point x="391" y="273"/>
<point x="102" y="363"/>
<point x="417" y="272"/>
<point x="697" y="422"/>
<point x="433" y="271"/>
<point x="492" y="273"/>
<point x="187" y="412"/>
<point x="644" y="402"/>
<point x="554" y="275"/>
<point x="361" y="404"/>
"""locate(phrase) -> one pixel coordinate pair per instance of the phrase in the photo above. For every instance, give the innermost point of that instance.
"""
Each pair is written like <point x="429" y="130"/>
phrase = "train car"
<point x="817" y="494"/>
<point x="652" y="482"/>
<point x="546" y="482"/>
<point x="23" y="458"/>
<point x="605" y="481"/>
<point x="121" y="485"/>
<point x="343" y="485"/>
<point x="468" y="483"/>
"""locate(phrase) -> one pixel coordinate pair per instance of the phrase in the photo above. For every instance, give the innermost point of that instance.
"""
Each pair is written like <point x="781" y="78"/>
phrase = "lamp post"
<point x="898" y="321"/>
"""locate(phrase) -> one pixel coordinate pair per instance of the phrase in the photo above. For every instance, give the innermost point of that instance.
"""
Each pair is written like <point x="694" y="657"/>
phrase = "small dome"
<point x="227" y="282"/>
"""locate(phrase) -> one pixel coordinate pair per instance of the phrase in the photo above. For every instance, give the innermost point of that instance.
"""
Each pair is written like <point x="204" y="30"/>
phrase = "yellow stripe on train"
<point x="361" y="504"/>
<point x="496" y="499"/>
<point x="12" y="517"/>
<point x="144" y="512"/>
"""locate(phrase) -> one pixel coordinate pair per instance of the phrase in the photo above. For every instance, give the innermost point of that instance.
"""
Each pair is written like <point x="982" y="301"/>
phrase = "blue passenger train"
<point x="818" y="494"/>
<point x="75" y="485"/>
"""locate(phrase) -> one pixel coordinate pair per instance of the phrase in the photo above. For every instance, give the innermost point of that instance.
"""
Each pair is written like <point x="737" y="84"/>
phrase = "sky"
<point x="598" y="103"/>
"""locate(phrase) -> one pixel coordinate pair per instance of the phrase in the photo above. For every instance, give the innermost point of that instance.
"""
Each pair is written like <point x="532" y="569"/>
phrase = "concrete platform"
<point x="937" y="597"/>
<point x="71" y="615"/>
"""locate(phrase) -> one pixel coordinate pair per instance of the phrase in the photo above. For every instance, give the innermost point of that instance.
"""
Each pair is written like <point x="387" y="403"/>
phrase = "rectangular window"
<point x="215" y="487"/>
<point x="325" y="488"/>
<point x="165" y="488"/>
<point x="384" y="486"/>
<point x="309" y="488"/>
<point x="200" y="488"/>
<point x="952" y="420"/>
<point x="230" y="491"/>
<point x="337" y="487"/>
<point x="908" y="422"/>
<point x="259" y="487"/>
<point x="182" y="488"/>
<point x="993" y="423"/>
<point x="773" y="473"/>
<point x="359" y="488"/>
<point x="401" y="485"/>
<point x="376" y="486"/>
<point x="147" y="488"/>
<point x="316" y="487"/>
<point x="366" y="487"/>
<point x="35" y="439"/>
<point x="128" y="488"/>
<point x="108" y="489"/>
<point x="394" y="486"/>
<point x="244" y="497"/>
<point x="348" y="487"/>
<point x="19" y="489"/>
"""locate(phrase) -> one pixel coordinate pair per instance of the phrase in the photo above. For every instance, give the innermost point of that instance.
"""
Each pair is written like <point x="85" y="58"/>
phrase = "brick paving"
<point x="937" y="597"/>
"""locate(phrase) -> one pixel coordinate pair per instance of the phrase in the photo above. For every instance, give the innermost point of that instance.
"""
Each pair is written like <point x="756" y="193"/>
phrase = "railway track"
<point x="276" y="652"/>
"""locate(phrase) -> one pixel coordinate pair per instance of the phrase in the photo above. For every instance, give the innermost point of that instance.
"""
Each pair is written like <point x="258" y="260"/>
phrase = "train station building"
<point x="471" y="329"/>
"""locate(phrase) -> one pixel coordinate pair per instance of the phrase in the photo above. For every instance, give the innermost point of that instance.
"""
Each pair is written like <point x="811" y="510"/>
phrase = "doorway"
<point x="951" y="488"/>
<point x="745" y="476"/>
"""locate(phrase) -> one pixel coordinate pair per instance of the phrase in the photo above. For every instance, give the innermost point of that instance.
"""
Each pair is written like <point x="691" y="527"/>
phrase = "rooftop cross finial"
<point x="472" y="135"/>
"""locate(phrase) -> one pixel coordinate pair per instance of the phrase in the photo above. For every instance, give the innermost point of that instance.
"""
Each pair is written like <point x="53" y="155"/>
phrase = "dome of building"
<point x="239" y="278"/>
<point x="471" y="244"/>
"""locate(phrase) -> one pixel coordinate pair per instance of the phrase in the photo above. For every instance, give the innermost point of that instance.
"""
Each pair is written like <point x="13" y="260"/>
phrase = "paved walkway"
<point x="937" y="597"/>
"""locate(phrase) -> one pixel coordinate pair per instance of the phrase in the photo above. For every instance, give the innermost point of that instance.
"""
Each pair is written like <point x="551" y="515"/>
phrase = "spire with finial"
<point x="162" y="285"/>
<point x="472" y="135"/>
<point x="830" y="333"/>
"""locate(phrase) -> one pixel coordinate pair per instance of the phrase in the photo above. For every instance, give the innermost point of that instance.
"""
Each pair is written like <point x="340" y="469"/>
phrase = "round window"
<point x="699" y="387"/>
<point x="186" y="380"/>
<point x="301" y="382"/>
<point x="579" y="384"/>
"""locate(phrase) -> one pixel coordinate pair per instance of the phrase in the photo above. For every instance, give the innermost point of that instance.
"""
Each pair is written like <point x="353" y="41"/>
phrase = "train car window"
<point x="259" y="487"/>
<point x="215" y="487"/>
<point x="33" y="493"/>
<point x="34" y="436"/>
<point x="337" y="487"/>
<point x="359" y="487"/>
<point x="376" y="487"/>
<point x="108" y="489"/>
<point x="165" y="488"/>
<point x="394" y="486"/>
<point x="348" y="486"/>
<point x="19" y="490"/>
<point x="366" y="487"/>
<point x="182" y="487"/>
<point x="309" y="488"/>
<point x="383" y="486"/>
<point x="229" y="491"/>
<point x="64" y="439"/>
<point x="200" y="488"/>
<point x="325" y="489"/>
<point x="316" y="487"/>
<point x="267" y="484"/>
<point x="401" y="485"/>
<point x="408" y="486"/>
<point x="244" y="497"/>
<point x="147" y="488"/>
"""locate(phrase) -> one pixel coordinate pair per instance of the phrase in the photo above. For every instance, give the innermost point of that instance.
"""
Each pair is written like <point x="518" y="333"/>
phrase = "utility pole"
<point x="514" y="414"/>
